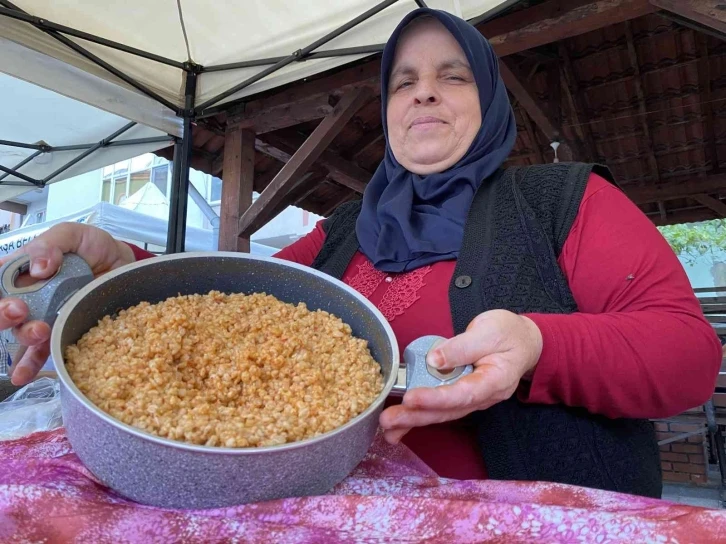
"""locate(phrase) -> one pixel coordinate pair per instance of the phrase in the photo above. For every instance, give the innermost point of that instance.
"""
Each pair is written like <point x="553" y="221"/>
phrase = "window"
<point x="216" y="190"/>
<point x="138" y="180"/>
<point x="125" y="178"/>
<point x="119" y="189"/>
<point x="106" y="191"/>
<point x="160" y="177"/>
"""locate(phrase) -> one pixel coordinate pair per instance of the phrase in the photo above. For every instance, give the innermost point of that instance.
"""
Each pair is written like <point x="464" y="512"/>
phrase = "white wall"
<point x="9" y="218"/>
<point x="73" y="195"/>
<point x="36" y="206"/>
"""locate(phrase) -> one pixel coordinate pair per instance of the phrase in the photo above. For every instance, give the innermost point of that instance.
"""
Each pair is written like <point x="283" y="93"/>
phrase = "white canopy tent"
<point x="38" y="117"/>
<point x="162" y="64"/>
<point x="122" y="223"/>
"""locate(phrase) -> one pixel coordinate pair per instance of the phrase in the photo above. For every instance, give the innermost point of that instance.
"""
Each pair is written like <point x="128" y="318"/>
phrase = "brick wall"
<point x="683" y="461"/>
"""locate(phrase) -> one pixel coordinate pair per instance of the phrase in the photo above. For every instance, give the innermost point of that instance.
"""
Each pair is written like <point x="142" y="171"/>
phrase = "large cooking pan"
<point x="162" y="472"/>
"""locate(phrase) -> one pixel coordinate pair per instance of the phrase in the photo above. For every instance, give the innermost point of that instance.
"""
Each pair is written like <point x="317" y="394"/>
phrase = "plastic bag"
<point x="35" y="407"/>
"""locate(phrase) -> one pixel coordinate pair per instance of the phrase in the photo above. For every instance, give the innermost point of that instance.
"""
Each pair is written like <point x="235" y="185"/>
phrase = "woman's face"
<point x="433" y="103"/>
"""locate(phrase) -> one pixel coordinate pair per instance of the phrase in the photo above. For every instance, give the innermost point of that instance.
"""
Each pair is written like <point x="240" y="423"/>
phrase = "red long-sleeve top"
<point x="638" y="347"/>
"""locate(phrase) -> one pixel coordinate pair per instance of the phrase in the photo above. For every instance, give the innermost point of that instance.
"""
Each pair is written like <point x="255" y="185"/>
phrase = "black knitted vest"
<point x="516" y="227"/>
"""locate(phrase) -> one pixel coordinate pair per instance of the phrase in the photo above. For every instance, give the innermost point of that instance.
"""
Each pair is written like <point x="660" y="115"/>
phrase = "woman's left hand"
<point x="503" y="347"/>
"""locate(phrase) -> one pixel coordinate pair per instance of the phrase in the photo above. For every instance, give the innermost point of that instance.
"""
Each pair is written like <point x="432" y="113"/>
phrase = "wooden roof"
<point x="637" y="85"/>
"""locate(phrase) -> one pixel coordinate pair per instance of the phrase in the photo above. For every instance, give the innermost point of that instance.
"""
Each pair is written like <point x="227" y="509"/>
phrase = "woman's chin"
<point x="425" y="163"/>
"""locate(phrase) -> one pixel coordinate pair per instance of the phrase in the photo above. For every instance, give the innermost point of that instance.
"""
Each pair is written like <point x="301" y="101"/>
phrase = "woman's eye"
<point x="455" y="78"/>
<point x="404" y="84"/>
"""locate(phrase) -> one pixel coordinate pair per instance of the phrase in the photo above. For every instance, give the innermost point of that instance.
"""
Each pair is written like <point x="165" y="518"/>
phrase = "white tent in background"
<point x="148" y="200"/>
<point x="124" y="224"/>
<point x="33" y="115"/>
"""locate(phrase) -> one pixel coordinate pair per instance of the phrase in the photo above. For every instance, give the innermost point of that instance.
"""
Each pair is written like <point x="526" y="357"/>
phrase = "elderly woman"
<point x="577" y="316"/>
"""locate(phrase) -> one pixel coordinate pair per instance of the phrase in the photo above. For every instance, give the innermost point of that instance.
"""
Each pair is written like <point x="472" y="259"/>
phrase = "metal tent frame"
<point x="188" y="113"/>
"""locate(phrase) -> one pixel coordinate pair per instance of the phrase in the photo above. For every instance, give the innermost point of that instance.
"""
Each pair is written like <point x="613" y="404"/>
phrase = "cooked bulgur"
<point x="226" y="370"/>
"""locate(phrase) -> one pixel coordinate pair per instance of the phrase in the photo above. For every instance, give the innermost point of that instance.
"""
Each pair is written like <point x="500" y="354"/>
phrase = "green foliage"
<point x="695" y="241"/>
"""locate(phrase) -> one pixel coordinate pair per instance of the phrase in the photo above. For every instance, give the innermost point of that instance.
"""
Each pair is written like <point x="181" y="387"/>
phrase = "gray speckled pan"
<point x="161" y="472"/>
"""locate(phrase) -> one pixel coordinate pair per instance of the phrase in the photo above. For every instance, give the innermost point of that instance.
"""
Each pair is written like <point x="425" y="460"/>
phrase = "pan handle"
<point x="415" y="372"/>
<point x="45" y="298"/>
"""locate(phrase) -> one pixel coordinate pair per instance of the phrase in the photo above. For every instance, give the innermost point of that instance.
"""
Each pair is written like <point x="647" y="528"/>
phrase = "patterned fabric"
<point x="46" y="495"/>
<point x="402" y="289"/>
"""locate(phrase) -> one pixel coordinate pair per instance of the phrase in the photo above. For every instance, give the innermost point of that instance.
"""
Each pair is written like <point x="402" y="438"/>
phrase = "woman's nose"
<point x="426" y="93"/>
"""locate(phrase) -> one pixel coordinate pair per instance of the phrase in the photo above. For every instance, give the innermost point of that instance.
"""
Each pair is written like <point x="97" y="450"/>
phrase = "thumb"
<point x="46" y="251"/>
<point x="461" y="350"/>
<point x="45" y="259"/>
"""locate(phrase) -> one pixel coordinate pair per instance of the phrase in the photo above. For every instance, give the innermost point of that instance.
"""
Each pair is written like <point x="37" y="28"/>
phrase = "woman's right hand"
<point x="98" y="248"/>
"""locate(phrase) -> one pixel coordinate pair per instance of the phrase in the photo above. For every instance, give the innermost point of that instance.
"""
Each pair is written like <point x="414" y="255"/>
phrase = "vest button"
<point x="462" y="282"/>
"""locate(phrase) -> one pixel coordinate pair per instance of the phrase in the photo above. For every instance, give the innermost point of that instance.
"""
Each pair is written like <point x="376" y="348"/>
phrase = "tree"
<point x="703" y="242"/>
<point x="694" y="241"/>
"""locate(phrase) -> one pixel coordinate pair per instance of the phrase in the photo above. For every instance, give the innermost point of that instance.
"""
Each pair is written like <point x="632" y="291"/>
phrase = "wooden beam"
<point x="701" y="14"/>
<point x="558" y="20"/>
<point x="662" y="210"/>
<point x="528" y="103"/>
<point x="364" y="75"/>
<point x="574" y="96"/>
<point x="642" y="112"/>
<point x="344" y="172"/>
<point x="330" y="209"/>
<point x="704" y="84"/>
<point x="368" y="140"/>
<point x="532" y="137"/>
<point x="260" y="211"/>
<point x="672" y="190"/>
<point x="282" y="116"/>
<point x="14" y="207"/>
<point x="237" y="186"/>
<point x="684" y="216"/>
<point x="217" y="163"/>
<point x="711" y="203"/>
<point x="306" y="184"/>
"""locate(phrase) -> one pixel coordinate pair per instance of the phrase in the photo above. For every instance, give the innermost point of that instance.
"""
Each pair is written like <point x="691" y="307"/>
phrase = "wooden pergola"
<point x="638" y="85"/>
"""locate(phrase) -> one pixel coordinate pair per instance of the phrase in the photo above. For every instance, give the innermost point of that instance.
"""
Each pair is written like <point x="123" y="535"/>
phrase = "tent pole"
<point x="95" y="59"/>
<point x="176" y="232"/>
<point x="37" y="147"/>
<point x="297" y="55"/>
<point x="328" y="53"/>
<point x="22" y="163"/>
<point x="12" y="172"/>
<point x="87" y="152"/>
<point x="43" y="24"/>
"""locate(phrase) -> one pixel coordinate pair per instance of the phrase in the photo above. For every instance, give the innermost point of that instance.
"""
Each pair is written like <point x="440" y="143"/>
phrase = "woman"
<point x="577" y="315"/>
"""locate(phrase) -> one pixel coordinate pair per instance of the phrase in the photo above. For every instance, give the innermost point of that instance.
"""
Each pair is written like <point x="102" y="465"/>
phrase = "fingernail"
<point x="35" y="333"/>
<point x="435" y="359"/>
<point x="13" y="311"/>
<point x="38" y="266"/>
<point x="21" y="376"/>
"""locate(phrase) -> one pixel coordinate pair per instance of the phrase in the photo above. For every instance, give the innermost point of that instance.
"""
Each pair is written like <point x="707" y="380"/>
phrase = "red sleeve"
<point x="639" y="346"/>
<point x="140" y="254"/>
<point x="306" y="248"/>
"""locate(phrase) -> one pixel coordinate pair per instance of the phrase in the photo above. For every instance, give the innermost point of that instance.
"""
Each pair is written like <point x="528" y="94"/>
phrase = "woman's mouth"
<point x="426" y="122"/>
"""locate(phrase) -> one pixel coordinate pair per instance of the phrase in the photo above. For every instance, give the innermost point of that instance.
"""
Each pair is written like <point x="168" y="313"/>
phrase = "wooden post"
<point x="237" y="186"/>
<point x="301" y="161"/>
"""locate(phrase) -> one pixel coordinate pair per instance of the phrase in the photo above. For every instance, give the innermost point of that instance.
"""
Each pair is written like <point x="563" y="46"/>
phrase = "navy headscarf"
<point x="408" y="221"/>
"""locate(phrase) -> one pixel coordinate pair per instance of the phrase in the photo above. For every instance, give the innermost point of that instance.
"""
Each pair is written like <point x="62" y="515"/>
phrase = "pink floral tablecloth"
<point x="46" y="495"/>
